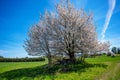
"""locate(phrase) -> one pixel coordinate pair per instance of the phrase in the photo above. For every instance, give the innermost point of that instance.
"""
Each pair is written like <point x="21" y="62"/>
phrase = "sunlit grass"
<point x="99" y="68"/>
<point x="7" y="66"/>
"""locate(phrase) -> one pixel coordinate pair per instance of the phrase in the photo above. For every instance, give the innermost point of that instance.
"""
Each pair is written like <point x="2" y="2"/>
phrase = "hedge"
<point x="21" y="59"/>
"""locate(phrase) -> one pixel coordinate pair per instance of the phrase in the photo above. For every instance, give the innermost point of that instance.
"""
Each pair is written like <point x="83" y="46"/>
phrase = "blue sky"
<point x="17" y="16"/>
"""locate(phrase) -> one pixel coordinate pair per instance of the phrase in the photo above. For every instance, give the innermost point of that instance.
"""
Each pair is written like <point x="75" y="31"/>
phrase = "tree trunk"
<point x="82" y="57"/>
<point x="72" y="57"/>
<point x="49" y="60"/>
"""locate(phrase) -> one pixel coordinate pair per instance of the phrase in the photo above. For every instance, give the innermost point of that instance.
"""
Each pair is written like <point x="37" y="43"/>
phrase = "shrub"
<point x="86" y="55"/>
<point x="104" y="53"/>
<point x="108" y="54"/>
<point x="112" y="55"/>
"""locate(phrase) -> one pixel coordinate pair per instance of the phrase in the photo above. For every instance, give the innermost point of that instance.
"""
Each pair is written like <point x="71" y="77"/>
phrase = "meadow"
<point x="99" y="68"/>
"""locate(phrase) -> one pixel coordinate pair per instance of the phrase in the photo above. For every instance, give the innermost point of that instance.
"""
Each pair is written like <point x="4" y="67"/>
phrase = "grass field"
<point x="99" y="68"/>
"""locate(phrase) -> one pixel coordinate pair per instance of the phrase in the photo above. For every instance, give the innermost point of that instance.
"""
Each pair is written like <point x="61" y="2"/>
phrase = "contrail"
<point x="108" y="16"/>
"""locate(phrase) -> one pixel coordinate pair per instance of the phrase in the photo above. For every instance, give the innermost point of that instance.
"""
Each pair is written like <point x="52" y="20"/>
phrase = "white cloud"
<point x="16" y="51"/>
<point x="13" y="49"/>
<point x="115" y="41"/>
<point x="79" y="3"/>
<point x="3" y="51"/>
<point x="108" y="17"/>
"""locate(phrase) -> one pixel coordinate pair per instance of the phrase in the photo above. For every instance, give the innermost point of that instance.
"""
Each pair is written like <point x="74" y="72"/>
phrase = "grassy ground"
<point x="99" y="68"/>
<point x="112" y="72"/>
<point x="8" y="66"/>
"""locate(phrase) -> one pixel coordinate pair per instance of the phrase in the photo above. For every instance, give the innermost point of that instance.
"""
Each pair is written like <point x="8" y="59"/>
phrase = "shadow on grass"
<point x="47" y="71"/>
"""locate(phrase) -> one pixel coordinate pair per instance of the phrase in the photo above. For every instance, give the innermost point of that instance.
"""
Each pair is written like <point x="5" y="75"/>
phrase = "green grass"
<point x="112" y="72"/>
<point x="99" y="68"/>
<point x="104" y="58"/>
<point x="8" y="66"/>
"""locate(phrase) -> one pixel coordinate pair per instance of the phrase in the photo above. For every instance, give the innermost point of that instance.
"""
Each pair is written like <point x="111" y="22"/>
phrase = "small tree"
<point x="118" y="50"/>
<point x="114" y="50"/>
<point x="38" y="43"/>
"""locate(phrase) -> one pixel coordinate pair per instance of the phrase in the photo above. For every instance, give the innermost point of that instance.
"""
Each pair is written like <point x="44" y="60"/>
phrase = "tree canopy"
<point x="66" y="31"/>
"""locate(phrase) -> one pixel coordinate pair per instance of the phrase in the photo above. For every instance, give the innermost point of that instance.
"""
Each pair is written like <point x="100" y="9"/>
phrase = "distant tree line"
<point x="22" y="59"/>
<point x="1" y="57"/>
<point x="116" y="50"/>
